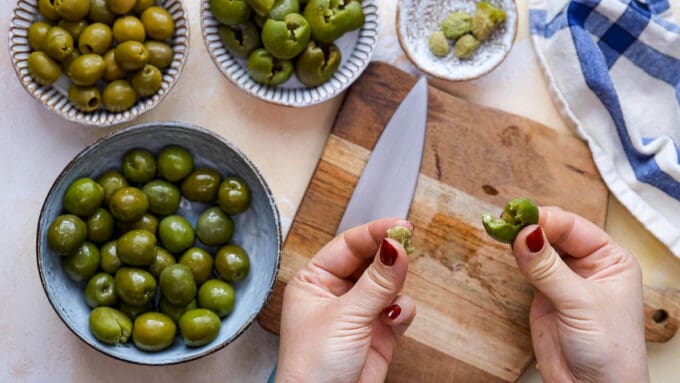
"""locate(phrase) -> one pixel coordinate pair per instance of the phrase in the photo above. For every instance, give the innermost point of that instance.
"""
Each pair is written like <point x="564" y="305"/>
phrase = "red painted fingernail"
<point x="393" y="311"/>
<point x="388" y="253"/>
<point x="535" y="240"/>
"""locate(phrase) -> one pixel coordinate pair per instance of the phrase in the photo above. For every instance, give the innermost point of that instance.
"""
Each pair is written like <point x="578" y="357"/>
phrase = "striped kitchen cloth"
<point x="614" y="70"/>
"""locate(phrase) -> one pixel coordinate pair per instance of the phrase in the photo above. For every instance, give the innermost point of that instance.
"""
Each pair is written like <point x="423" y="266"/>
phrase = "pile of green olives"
<point x="279" y="37"/>
<point x="112" y="50"/>
<point x="146" y="271"/>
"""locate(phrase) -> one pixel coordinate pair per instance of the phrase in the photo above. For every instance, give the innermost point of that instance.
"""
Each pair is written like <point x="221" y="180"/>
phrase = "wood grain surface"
<point x="473" y="304"/>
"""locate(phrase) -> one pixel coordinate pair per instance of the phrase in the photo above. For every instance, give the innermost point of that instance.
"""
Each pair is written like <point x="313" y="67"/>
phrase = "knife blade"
<point x="388" y="181"/>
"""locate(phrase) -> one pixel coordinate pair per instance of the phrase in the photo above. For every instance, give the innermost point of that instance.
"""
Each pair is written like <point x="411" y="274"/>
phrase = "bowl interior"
<point x="257" y="230"/>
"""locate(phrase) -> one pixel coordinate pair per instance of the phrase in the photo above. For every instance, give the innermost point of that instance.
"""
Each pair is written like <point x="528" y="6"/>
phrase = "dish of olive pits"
<point x="290" y="52"/>
<point x="456" y="39"/>
<point x="160" y="246"/>
<point x="99" y="62"/>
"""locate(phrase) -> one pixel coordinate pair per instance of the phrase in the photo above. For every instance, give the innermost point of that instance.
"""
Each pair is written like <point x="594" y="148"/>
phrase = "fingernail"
<point x="388" y="254"/>
<point x="535" y="240"/>
<point x="393" y="311"/>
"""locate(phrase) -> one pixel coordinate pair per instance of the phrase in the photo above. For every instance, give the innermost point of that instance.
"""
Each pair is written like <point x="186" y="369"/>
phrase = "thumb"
<point x="540" y="263"/>
<point x="380" y="283"/>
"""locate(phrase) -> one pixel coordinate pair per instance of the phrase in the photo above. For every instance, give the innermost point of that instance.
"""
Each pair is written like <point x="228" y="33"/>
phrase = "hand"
<point x="587" y="315"/>
<point x="342" y="313"/>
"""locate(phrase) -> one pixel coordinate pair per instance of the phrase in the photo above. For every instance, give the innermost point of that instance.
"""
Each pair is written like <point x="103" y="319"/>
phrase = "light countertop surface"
<point x="285" y="144"/>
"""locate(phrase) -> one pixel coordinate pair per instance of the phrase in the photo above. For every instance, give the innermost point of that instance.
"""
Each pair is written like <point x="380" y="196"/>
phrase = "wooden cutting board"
<point x="473" y="304"/>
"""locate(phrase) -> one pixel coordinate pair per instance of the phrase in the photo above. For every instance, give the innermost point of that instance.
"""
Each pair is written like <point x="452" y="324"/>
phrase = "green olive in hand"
<point x="134" y="286"/>
<point x="148" y="222"/>
<point x="202" y="185"/>
<point x="175" y="312"/>
<point x="66" y="234"/>
<point x="99" y="12"/>
<point x="113" y="71"/>
<point x="87" y="69"/>
<point x="72" y="10"/>
<point x="199" y="327"/>
<point x="163" y="197"/>
<point x="147" y="81"/>
<point x="241" y="40"/>
<point x="128" y="204"/>
<point x="119" y="96"/>
<point x="177" y="284"/>
<point x="99" y="291"/>
<point x="137" y="248"/>
<point x="262" y="7"/>
<point x="139" y="166"/>
<point x="176" y="234"/>
<point x="43" y="68"/>
<point x="232" y="263"/>
<point x="317" y="64"/>
<point x="110" y="325"/>
<point x="131" y="55"/>
<point x="111" y="181"/>
<point x="95" y="38"/>
<point x="160" y="53"/>
<point x="110" y="262"/>
<point x="234" y="195"/>
<point x="58" y="43"/>
<point x="200" y="262"/>
<point x="158" y="23"/>
<point x="214" y="227"/>
<point x="175" y="163"/>
<point x="283" y="7"/>
<point x="83" y="264"/>
<point x="230" y="12"/>
<point x="142" y="5"/>
<point x="266" y="69"/>
<point x="46" y="9"/>
<point x="218" y="296"/>
<point x="73" y="27"/>
<point x="286" y="38"/>
<point x="121" y="7"/>
<point x="83" y="197"/>
<point x="162" y="260"/>
<point x="153" y="331"/>
<point x="36" y="35"/>
<point x="517" y="214"/>
<point x="100" y="226"/>
<point x="128" y="28"/>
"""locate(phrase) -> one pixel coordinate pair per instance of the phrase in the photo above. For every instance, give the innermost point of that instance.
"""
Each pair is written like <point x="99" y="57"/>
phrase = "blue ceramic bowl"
<point x="258" y="230"/>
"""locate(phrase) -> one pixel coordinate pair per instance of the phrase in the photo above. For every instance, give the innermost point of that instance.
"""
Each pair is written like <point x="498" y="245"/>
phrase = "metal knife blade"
<point x="388" y="182"/>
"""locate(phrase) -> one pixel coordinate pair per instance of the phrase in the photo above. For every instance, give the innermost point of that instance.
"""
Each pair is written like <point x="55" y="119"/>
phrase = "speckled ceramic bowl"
<point x="417" y="19"/>
<point x="258" y="230"/>
<point x="356" y="47"/>
<point x="55" y="98"/>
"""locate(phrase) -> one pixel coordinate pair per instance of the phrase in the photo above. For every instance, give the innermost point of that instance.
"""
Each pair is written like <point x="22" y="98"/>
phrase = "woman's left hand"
<point x="342" y="313"/>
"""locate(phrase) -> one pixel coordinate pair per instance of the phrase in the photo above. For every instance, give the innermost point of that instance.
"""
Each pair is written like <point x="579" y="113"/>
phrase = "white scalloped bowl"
<point x="55" y="98"/>
<point x="356" y="48"/>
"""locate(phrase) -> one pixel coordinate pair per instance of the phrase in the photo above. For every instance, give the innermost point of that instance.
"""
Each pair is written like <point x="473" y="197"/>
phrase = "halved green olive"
<point x="317" y="64"/>
<point x="517" y="214"/>
<point x="266" y="69"/>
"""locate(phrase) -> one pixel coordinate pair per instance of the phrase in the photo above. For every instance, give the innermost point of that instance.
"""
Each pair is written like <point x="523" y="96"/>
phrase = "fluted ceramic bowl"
<point x="258" y="231"/>
<point x="55" y="96"/>
<point x="356" y="48"/>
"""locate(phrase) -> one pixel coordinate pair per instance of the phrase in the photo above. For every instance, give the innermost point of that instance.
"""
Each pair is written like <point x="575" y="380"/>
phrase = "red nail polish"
<point x="393" y="311"/>
<point x="388" y="254"/>
<point x="535" y="240"/>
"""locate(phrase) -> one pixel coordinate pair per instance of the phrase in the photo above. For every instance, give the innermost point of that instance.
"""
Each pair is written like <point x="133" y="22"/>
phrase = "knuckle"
<point x="382" y="283"/>
<point x="544" y="266"/>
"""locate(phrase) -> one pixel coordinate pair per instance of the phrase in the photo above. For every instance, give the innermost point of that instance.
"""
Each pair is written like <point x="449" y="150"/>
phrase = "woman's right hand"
<point x="587" y="314"/>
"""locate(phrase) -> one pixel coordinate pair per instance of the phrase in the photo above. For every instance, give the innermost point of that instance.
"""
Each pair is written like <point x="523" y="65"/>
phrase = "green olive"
<point x="142" y="5"/>
<point x="113" y="71"/>
<point x="128" y="28"/>
<point x="175" y="163"/>
<point x="148" y="222"/>
<point x="43" y="68"/>
<point x="100" y="291"/>
<point x="128" y="204"/>
<point x="517" y="214"/>
<point x="66" y="234"/>
<point x="46" y="9"/>
<point x="230" y="12"/>
<point x="139" y="166"/>
<point x="241" y="40"/>
<point x="160" y="53"/>
<point x="177" y="284"/>
<point x="131" y="55"/>
<point x="267" y="69"/>
<point x="100" y="226"/>
<point x="73" y="27"/>
<point x="110" y="262"/>
<point x="214" y="227"/>
<point x="111" y="181"/>
<point x="158" y="23"/>
<point x="58" y="43"/>
<point x="234" y="195"/>
<point x="199" y="327"/>
<point x="95" y="38"/>
<point x="176" y="234"/>
<point x="121" y="7"/>
<point x="262" y="7"/>
<point x="147" y="81"/>
<point x="99" y="12"/>
<point x="83" y="264"/>
<point x="317" y="64"/>
<point x="110" y="325"/>
<point x="133" y="311"/>
<point x="72" y="10"/>
<point x="202" y="185"/>
<point x="135" y="287"/>
<point x="199" y="262"/>
<point x="162" y="260"/>
<point x="36" y="34"/>
<point x="173" y="311"/>
<point x="232" y="263"/>
<point x="119" y="96"/>
<point x="83" y="197"/>
<point x="286" y="38"/>
<point x="163" y="197"/>
<point x="153" y="331"/>
<point x="218" y="296"/>
<point x="137" y="248"/>
<point x="66" y="64"/>
<point x="87" y="69"/>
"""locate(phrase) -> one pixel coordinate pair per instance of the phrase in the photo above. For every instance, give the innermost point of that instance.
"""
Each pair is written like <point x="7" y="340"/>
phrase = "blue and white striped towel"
<point x="614" y="70"/>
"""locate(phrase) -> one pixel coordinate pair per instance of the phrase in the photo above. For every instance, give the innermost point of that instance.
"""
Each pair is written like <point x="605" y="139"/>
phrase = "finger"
<point x="545" y="340"/>
<point x="380" y="284"/>
<point x="399" y="315"/>
<point x="544" y="268"/>
<point x="570" y="233"/>
<point x="347" y="252"/>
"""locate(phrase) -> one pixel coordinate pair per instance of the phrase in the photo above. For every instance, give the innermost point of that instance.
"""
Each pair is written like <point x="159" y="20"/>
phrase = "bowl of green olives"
<point x="99" y="62"/>
<point x="159" y="243"/>
<point x="290" y="52"/>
